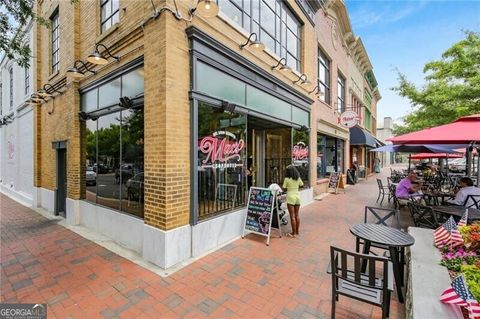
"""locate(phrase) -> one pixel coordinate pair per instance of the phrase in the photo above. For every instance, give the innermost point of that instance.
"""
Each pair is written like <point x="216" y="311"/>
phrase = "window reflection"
<point x="108" y="139"/>
<point x="131" y="171"/>
<point x="91" y="175"/>
<point x="114" y="173"/>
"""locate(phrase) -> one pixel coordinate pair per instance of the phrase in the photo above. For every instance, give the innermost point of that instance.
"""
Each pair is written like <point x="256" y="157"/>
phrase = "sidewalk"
<point x="42" y="262"/>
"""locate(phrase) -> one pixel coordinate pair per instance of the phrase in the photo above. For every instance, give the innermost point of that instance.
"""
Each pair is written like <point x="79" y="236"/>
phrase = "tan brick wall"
<point x="164" y="44"/>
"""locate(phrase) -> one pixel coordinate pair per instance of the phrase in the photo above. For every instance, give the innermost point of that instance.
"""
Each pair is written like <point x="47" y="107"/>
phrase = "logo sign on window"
<point x="300" y="151"/>
<point x="222" y="150"/>
<point x="348" y="119"/>
<point x="11" y="148"/>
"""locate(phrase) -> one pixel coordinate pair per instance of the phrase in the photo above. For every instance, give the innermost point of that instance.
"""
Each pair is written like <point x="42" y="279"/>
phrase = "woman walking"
<point x="292" y="183"/>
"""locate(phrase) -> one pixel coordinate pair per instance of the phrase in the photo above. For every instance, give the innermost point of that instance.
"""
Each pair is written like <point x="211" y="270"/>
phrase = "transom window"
<point x="324" y="76"/>
<point x="55" y="42"/>
<point x="274" y="23"/>
<point x="108" y="14"/>
<point x="340" y="93"/>
<point x="10" y="73"/>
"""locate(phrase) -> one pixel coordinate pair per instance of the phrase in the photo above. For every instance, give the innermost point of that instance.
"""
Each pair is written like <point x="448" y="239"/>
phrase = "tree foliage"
<point x="452" y="87"/>
<point x="14" y="15"/>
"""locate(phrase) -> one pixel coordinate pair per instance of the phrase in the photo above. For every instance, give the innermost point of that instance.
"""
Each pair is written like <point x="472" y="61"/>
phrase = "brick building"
<point x="157" y="146"/>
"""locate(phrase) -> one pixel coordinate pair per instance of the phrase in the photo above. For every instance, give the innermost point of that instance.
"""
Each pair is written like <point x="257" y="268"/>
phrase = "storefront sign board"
<point x="335" y="182"/>
<point x="348" y="119"/>
<point x="258" y="219"/>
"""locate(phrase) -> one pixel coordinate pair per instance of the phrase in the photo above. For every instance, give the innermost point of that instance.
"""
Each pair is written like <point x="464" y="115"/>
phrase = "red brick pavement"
<point x="42" y="262"/>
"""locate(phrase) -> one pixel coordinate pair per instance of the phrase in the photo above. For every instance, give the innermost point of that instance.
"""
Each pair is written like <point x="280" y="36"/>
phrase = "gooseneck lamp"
<point x="98" y="58"/>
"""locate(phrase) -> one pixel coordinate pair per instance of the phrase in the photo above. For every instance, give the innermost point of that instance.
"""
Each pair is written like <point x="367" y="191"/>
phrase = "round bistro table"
<point x="395" y="239"/>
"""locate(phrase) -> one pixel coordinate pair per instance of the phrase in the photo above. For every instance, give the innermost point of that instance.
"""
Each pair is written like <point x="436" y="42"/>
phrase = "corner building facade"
<point x="157" y="148"/>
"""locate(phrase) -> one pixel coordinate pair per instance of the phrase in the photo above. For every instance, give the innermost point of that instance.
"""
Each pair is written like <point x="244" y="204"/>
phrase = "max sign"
<point x="300" y="151"/>
<point x="348" y="119"/>
<point x="221" y="149"/>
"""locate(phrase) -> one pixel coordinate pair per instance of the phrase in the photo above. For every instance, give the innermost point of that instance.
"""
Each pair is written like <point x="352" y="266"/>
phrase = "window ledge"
<point x="52" y="76"/>
<point x="322" y="181"/>
<point x="108" y="32"/>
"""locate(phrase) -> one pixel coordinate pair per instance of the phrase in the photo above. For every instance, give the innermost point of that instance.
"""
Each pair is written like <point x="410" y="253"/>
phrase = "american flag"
<point x="463" y="221"/>
<point x="458" y="294"/>
<point x="448" y="234"/>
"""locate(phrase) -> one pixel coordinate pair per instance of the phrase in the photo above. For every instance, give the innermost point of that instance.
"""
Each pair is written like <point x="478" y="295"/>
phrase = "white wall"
<point x="16" y="138"/>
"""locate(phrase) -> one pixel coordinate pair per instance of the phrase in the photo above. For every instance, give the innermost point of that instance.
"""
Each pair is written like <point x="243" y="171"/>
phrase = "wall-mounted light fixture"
<point x="205" y="8"/>
<point x="75" y="71"/>
<point x="98" y="58"/>
<point x="282" y="63"/>
<point x="303" y="79"/>
<point x="7" y="119"/>
<point x="47" y="91"/>
<point x="36" y="98"/>
<point x="253" y="43"/>
<point x="318" y="92"/>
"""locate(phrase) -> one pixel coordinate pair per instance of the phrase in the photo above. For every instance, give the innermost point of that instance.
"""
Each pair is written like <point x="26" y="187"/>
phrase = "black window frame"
<point x="341" y="96"/>
<point x="104" y="20"/>
<point x="10" y="73"/>
<point x="27" y="80"/>
<point x="55" y="41"/>
<point x="324" y="64"/>
<point x="283" y="14"/>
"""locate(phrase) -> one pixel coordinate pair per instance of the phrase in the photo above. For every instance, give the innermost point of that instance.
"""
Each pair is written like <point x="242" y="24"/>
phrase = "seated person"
<point x="407" y="187"/>
<point x="466" y="188"/>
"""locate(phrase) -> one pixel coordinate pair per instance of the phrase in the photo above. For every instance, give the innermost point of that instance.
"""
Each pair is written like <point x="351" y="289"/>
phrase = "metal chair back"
<point x="423" y="216"/>
<point x="472" y="201"/>
<point x="372" y="286"/>
<point x="382" y="216"/>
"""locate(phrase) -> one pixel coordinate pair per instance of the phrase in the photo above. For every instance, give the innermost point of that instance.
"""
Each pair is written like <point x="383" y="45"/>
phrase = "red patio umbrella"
<point x="435" y="155"/>
<point x="462" y="131"/>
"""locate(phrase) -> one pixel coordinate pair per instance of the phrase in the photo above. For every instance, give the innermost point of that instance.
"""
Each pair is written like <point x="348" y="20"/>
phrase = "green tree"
<point x="14" y="14"/>
<point x="452" y="87"/>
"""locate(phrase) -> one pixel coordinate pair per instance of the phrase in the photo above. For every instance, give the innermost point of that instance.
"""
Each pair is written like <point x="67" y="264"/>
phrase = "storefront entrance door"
<point x="269" y="151"/>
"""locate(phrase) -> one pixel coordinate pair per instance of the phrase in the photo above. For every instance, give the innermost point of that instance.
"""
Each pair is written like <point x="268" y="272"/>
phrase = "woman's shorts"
<point x="293" y="199"/>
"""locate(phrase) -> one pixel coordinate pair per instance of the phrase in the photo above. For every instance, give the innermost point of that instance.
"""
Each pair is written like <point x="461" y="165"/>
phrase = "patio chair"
<point x="382" y="190"/>
<point x="380" y="216"/>
<point x="423" y="216"/>
<point x="472" y="201"/>
<point x="349" y="281"/>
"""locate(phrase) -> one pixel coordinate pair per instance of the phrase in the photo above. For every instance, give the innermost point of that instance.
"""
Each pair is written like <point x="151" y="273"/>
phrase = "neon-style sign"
<point x="220" y="152"/>
<point x="300" y="151"/>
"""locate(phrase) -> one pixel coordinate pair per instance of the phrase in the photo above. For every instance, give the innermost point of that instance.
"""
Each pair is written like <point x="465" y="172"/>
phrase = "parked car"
<point x="135" y="187"/>
<point x="457" y="165"/>
<point x="100" y="169"/>
<point x="91" y="176"/>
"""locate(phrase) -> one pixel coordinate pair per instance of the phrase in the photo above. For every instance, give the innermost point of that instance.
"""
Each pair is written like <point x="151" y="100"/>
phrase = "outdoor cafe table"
<point x="395" y="239"/>
<point x="435" y="195"/>
<point x="457" y="211"/>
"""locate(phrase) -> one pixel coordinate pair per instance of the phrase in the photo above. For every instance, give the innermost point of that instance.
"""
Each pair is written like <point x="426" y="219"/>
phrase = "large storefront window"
<point x="237" y="151"/>
<point x="330" y="155"/>
<point x="114" y="174"/>
<point x="273" y="21"/>
<point x="114" y="143"/>
<point x="221" y="161"/>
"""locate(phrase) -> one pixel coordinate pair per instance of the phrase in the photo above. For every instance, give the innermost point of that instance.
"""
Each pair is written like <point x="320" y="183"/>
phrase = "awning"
<point x="359" y="136"/>
<point x="462" y="131"/>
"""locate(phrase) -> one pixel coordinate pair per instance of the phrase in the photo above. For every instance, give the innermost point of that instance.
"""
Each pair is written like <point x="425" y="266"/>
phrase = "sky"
<point x="404" y="35"/>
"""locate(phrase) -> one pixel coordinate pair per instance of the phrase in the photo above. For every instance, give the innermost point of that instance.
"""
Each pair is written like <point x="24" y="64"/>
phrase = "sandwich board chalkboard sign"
<point x="259" y="212"/>
<point x="335" y="182"/>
